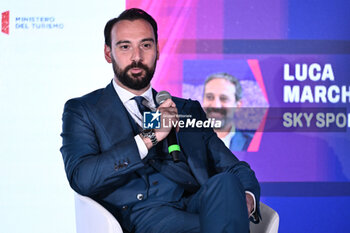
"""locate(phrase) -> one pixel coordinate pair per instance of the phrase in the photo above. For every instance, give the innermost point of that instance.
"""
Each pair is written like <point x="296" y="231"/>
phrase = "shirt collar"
<point x="229" y="136"/>
<point x="126" y="95"/>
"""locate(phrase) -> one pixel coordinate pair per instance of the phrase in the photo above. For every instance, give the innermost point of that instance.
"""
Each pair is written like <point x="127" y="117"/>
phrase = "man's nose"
<point x="217" y="103"/>
<point x="137" y="54"/>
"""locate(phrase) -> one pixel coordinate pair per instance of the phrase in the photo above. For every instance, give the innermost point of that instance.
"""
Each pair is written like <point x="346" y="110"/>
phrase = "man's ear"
<point x="239" y="103"/>
<point x="108" y="55"/>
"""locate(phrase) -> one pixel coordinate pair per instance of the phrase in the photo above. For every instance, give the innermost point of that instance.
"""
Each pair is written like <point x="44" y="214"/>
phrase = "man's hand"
<point x="250" y="203"/>
<point x="169" y="116"/>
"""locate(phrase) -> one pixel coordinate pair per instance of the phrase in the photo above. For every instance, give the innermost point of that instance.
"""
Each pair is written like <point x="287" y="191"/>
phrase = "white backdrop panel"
<point x="41" y="68"/>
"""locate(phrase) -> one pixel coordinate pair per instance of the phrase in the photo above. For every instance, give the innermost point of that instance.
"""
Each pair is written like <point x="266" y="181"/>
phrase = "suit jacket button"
<point x="139" y="196"/>
<point x="125" y="207"/>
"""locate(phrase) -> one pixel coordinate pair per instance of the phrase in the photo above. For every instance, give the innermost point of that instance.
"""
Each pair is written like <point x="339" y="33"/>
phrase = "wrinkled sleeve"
<point x="89" y="170"/>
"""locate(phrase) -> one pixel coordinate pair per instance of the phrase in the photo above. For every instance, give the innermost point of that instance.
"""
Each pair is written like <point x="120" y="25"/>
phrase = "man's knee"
<point x="225" y="181"/>
<point x="166" y="219"/>
<point x="223" y="204"/>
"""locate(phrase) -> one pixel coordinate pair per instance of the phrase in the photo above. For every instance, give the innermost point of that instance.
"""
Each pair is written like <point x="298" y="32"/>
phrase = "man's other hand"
<point x="250" y="203"/>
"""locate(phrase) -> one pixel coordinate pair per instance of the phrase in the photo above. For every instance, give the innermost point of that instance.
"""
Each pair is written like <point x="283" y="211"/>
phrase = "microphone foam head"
<point x="162" y="96"/>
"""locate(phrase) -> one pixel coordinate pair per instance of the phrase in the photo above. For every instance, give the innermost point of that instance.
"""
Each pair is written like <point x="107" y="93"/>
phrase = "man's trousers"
<point x="218" y="206"/>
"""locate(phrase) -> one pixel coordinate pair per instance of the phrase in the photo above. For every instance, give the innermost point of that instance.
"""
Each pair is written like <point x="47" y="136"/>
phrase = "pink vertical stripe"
<point x="254" y="66"/>
<point x="172" y="18"/>
<point x="255" y="143"/>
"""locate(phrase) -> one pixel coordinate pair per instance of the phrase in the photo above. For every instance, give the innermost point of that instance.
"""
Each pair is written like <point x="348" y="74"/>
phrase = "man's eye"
<point x="223" y="98"/>
<point x="209" y="97"/>
<point x="124" y="47"/>
<point x="147" y="45"/>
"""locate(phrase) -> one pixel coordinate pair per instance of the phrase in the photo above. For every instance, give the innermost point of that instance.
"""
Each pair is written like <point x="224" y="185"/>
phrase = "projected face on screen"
<point x="133" y="53"/>
<point x="220" y="100"/>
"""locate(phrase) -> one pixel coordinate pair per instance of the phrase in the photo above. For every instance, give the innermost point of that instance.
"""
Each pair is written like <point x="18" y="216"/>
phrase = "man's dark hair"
<point x="130" y="14"/>
<point x="229" y="78"/>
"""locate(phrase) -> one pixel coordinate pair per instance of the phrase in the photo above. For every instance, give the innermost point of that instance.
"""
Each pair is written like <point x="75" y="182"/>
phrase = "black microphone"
<point x="173" y="145"/>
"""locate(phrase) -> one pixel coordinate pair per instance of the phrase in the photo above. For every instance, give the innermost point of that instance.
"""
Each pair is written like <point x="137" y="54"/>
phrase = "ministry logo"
<point x="29" y="23"/>
<point x="5" y="22"/>
<point x="151" y="120"/>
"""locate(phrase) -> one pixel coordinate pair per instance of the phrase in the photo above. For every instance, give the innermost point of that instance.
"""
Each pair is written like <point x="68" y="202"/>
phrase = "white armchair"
<point x="91" y="217"/>
<point x="269" y="223"/>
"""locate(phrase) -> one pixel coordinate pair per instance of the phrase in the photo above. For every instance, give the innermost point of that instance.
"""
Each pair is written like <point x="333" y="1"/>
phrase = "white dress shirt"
<point x="227" y="138"/>
<point x="130" y="104"/>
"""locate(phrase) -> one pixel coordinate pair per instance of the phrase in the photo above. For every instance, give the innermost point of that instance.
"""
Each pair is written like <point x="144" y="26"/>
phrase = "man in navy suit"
<point x="222" y="96"/>
<point x="110" y="158"/>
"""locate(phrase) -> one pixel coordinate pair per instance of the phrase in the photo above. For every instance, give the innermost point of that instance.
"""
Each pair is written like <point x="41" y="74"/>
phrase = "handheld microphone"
<point x="173" y="145"/>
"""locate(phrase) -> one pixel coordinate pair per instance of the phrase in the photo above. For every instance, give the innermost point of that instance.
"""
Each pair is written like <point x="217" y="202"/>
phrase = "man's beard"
<point x="224" y="116"/>
<point x="136" y="82"/>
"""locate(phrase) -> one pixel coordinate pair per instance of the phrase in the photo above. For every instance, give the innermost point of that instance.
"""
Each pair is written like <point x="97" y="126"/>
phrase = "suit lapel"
<point x="192" y="146"/>
<point x="115" y="118"/>
<point x="237" y="141"/>
<point x="196" y="155"/>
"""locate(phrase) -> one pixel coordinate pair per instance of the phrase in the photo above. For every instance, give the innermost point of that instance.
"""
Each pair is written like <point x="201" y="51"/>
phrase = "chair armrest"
<point x="269" y="221"/>
<point x="91" y="217"/>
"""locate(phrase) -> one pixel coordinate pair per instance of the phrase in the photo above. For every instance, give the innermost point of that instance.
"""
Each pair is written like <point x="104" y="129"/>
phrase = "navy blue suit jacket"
<point x="101" y="156"/>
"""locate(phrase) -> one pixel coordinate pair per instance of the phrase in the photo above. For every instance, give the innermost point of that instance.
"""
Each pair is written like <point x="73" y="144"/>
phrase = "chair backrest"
<point x="269" y="222"/>
<point x="91" y="217"/>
